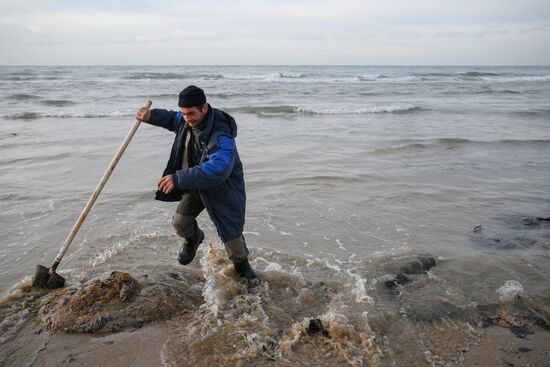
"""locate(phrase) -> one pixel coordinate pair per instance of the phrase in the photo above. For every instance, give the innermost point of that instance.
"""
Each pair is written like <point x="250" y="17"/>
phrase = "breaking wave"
<point x="152" y="75"/>
<point x="23" y="97"/>
<point x="58" y="103"/>
<point x="475" y="74"/>
<point x="267" y="111"/>
<point x="22" y="116"/>
<point x="63" y="115"/>
<point x="540" y="112"/>
<point x="418" y="146"/>
<point x="511" y="79"/>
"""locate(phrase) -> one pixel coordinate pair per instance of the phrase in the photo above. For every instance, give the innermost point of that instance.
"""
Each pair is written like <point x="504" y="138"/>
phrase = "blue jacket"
<point x="218" y="177"/>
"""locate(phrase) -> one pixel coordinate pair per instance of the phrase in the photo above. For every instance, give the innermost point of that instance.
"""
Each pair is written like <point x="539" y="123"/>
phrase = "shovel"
<point x="48" y="278"/>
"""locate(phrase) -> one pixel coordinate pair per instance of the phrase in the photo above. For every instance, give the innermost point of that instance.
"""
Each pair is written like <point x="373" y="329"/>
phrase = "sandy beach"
<point x="35" y="346"/>
<point x="224" y="326"/>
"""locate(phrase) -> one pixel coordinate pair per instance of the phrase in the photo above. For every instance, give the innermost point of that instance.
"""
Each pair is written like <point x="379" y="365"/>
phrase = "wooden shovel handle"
<point x="96" y="192"/>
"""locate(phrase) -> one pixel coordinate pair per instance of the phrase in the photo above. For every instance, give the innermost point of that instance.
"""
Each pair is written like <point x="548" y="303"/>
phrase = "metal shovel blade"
<point x="43" y="279"/>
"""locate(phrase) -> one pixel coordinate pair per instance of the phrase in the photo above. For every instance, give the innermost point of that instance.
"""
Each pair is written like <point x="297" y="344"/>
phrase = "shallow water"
<point x="351" y="172"/>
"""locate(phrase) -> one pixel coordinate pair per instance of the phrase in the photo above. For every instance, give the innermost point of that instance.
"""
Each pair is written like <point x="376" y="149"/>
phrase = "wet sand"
<point x="210" y="317"/>
<point x="34" y="346"/>
<point x="499" y="347"/>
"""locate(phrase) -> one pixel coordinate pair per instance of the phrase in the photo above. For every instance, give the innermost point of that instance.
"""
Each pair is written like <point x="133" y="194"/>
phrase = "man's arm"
<point x="158" y="117"/>
<point x="209" y="174"/>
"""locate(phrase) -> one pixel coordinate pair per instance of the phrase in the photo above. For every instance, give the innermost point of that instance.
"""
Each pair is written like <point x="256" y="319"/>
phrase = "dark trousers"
<point x="185" y="223"/>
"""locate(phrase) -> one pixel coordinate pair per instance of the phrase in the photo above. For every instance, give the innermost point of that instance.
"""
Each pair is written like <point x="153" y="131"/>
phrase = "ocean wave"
<point x="58" y="102"/>
<point x="62" y="115"/>
<point x="401" y="148"/>
<point x="22" y="116"/>
<point x="540" y="112"/>
<point x="475" y="74"/>
<point x="437" y="74"/>
<point x="401" y="79"/>
<point x="292" y="75"/>
<point x="16" y="78"/>
<point x="152" y="97"/>
<point x="511" y="79"/>
<point x="265" y="77"/>
<point x="310" y="78"/>
<point x="268" y="111"/>
<point x="455" y="142"/>
<point x="322" y="179"/>
<point x="502" y="78"/>
<point x="494" y="91"/>
<point x="153" y="75"/>
<point x="418" y="146"/>
<point x="171" y="76"/>
<point x="22" y="97"/>
<point x="213" y="94"/>
<point x="369" y="77"/>
<point x="264" y="110"/>
<point x="381" y="78"/>
<point x="28" y="78"/>
<point x="365" y="110"/>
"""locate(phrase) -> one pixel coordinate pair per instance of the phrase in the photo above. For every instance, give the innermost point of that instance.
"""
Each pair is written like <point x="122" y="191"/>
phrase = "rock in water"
<point x="399" y="279"/>
<point x="420" y="266"/>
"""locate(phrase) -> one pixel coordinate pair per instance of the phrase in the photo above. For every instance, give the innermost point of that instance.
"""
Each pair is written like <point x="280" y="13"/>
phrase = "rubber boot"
<point x="243" y="269"/>
<point x="190" y="246"/>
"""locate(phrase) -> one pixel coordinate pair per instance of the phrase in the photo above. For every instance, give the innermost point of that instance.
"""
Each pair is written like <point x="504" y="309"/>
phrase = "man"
<point x="204" y="171"/>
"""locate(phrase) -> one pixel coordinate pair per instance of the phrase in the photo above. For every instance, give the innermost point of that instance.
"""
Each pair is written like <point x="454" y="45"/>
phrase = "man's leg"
<point x="186" y="226"/>
<point x="238" y="254"/>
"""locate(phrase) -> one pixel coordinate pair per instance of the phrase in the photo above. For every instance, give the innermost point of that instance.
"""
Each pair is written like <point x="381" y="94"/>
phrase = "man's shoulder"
<point x="224" y="123"/>
<point x="221" y="115"/>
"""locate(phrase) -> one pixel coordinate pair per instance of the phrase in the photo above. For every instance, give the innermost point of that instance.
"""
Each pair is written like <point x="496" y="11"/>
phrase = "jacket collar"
<point x="205" y="133"/>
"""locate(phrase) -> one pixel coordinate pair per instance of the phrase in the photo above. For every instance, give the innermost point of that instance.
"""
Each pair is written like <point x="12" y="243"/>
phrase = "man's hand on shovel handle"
<point x="166" y="184"/>
<point x="143" y="114"/>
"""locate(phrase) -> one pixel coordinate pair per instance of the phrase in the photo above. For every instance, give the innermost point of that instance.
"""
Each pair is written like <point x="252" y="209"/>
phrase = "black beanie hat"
<point x="191" y="97"/>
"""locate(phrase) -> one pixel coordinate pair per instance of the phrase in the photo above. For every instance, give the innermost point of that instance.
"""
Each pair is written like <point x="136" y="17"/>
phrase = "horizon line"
<point x="239" y="65"/>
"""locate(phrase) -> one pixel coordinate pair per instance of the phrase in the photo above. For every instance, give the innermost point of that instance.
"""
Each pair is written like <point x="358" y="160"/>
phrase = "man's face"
<point x="193" y="115"/>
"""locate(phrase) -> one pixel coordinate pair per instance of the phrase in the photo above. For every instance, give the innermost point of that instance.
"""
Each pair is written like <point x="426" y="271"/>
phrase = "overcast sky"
<point x="371" y="32"/>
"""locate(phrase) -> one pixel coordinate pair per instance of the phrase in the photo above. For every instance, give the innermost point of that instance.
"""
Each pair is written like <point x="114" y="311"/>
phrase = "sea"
<point x="385" y="204"/>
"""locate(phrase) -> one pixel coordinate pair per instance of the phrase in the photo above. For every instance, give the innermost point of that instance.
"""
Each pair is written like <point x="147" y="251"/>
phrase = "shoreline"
<point x="33" y="345"/>
<point x="498" y="346"/>
<point x="179" y="317"/>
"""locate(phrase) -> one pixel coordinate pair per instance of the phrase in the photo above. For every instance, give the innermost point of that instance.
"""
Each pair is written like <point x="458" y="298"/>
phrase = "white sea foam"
<point x="510" y="290"/>
<point x="395" y="108"/>
<point x="113" y="249"/>
<point x="107" y="253"/>
<point x="535" y="78"/>
<point x="273" y="267"/>
<point x="67" y="114"/>
<point x="286" y="234"/>
<point x="211" y="292"/>
<point x="332" y="266"/>
<point x="359" y="288"/>
<point x="340" y="244"/>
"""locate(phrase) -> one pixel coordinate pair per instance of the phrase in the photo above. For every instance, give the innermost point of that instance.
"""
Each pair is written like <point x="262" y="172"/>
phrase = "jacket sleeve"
<point x="167" y="119"/>
<point x="215" y="170"/>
